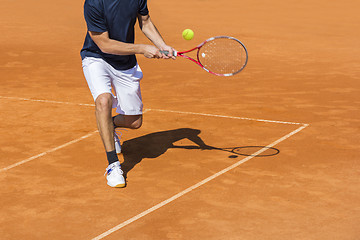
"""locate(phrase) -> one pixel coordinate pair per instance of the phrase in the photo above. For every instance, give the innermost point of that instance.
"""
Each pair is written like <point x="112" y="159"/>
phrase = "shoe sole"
<point x="122" y="185"/>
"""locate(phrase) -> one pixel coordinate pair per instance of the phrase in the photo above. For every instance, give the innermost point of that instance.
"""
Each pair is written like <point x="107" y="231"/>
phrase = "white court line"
<point x="48" y="151"/>
<point x="47" y="101"/>
<point x="224" y="116"/>
<point x="92" y="105"/>
<point x="180" y="194"/>
<point x="158" y="110"/>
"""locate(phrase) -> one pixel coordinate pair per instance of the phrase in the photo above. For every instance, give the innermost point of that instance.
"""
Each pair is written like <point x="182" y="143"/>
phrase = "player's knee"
<point x="137" y="123"/>
<point x="103" y="102"/>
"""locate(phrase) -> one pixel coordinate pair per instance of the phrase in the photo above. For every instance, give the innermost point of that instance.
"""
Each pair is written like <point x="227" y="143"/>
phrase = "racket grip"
<point x="167" y="52"/>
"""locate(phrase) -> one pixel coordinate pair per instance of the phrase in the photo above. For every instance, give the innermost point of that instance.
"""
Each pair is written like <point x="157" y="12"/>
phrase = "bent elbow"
<point x="101" y="40"/>
<point x="104" y="49"/>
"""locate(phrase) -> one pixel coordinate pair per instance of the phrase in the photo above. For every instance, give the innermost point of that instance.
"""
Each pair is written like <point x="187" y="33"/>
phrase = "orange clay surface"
<point x="303" y="68"/>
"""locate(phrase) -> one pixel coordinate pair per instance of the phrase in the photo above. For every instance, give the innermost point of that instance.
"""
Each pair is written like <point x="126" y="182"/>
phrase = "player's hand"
<point x="150" y="51"/>
<point x="170" y="54"/>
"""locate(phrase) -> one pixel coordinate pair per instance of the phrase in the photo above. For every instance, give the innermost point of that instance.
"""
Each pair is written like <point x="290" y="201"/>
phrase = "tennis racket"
<point x="221" y="56"/>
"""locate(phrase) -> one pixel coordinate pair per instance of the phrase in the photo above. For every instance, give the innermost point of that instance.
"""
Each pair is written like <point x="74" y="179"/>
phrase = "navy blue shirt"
<point x="118" y="18"/>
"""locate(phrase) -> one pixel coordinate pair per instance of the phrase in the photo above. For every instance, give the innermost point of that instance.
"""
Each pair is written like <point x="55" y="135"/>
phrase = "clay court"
<point x="292" y="116"/>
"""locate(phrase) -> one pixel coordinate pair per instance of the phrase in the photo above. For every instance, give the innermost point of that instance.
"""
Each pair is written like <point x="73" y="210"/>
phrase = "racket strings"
<point x="223" y="56"/>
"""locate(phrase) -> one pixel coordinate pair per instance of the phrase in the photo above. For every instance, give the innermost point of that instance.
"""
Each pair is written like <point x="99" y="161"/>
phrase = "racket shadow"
<point x="155" y="144"/>
<point x="240" y="151"/>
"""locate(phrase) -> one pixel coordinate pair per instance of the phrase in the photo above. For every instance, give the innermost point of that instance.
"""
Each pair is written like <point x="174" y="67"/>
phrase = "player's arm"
<point x="151" y="32"/>
<point x="196" y="139"/>
<point x="111" y="46"/>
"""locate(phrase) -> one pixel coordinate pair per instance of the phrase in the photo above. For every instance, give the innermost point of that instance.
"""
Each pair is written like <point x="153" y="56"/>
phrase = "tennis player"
<point x="109" y="63"/>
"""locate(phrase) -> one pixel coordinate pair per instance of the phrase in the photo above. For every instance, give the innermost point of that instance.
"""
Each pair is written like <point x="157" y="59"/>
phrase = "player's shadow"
<point x="155" y="144"/>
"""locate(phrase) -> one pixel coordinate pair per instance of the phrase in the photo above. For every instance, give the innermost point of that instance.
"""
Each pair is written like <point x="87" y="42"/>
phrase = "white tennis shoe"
<point x="114" y="175"/>
<point x="117" y="137"/>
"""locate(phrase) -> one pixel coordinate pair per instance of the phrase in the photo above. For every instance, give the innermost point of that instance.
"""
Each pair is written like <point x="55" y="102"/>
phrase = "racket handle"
<point x="167" y="52"/>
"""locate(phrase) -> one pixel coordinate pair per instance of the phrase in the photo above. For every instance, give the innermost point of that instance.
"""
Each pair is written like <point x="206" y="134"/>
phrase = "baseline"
<point x="224" y="116"/>
<point x="159" y="110"/>
<point x="47" y="101"/>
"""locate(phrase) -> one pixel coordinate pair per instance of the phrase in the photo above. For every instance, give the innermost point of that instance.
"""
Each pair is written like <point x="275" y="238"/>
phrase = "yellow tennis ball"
<point x="188" y="34"/>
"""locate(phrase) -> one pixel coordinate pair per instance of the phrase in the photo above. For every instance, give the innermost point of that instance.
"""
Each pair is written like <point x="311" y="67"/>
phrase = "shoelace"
<point x="110" y="169"/>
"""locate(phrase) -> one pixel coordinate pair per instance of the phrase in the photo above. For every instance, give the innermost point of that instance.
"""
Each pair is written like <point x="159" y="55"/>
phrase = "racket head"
<point x="251" y="150"/>
<point x="222" y="56"/>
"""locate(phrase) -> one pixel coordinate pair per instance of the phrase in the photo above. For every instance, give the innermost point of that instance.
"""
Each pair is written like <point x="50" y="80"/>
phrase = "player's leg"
<point x="124" y="121"/>
<point x="128" y="98"/>
<point x="128" y="121"/>
<point x="103" y="107"/>
<point x="99" y="81"/>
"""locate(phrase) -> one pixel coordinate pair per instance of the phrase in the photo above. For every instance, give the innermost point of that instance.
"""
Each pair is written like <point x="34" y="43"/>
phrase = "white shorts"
<point x="101" y="76"/>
